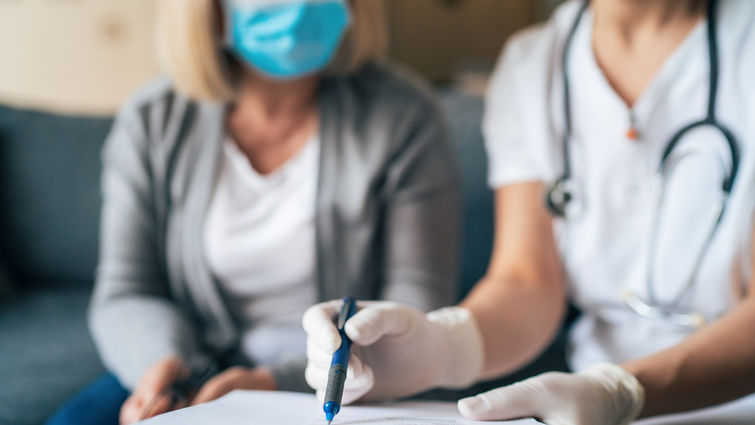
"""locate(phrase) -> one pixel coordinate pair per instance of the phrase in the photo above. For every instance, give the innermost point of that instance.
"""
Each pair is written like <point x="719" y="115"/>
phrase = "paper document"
<point x="739" y="412"/>
<point x="283" y="408"/>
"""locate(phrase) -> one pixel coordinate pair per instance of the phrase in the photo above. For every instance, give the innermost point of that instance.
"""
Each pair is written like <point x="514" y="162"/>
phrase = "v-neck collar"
<point x="205" y="156"/>
<point x="659" y="85"/>
<point x="294" y="167"/>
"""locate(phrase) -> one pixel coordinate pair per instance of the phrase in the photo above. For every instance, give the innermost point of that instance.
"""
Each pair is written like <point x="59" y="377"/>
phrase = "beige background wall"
<point x="87" y="56"/>
<point x="440" y="37"/>
<point x="76" y="56"/>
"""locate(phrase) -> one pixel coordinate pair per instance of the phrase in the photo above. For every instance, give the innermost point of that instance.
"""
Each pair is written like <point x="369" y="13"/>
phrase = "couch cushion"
<point x="46" y="355"/>
<point x="49" y="192"/>
<point x="6" y="288"/>
<point x="464" y="114"/>
<point x="49" y="181"/>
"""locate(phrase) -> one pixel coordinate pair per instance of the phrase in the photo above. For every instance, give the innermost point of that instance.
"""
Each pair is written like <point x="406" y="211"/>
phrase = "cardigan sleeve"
<point x="422" y="213"/>
<point x="132" y="317"/>
<point x="397" y="186"/>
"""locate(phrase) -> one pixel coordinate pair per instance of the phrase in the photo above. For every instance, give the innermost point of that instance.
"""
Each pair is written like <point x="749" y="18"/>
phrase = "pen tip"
<point x="329" y="422"/>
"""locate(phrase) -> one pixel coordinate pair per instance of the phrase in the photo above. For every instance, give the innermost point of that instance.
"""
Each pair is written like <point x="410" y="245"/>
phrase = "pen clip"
<point x="349" y="304"/>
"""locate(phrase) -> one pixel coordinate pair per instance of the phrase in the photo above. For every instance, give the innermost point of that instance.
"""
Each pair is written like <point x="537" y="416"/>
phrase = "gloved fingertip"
<point x="329" y="341"/>
<point x="473" y="407"/>
<point x="361" y="332"/>
<point x="353" y="332"/>
<point x="355" y="365"/>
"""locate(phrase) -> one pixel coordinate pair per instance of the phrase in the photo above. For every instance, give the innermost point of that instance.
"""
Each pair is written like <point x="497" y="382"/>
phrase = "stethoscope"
<point x="561" y="193"/>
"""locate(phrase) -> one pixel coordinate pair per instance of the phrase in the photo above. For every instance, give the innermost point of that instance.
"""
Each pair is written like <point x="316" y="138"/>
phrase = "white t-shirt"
<point x="604" y="244"/>
<point x="259" y="241"/>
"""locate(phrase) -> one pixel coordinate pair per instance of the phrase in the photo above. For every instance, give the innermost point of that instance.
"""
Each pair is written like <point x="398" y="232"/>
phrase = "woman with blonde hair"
<point x="281" y="164"/>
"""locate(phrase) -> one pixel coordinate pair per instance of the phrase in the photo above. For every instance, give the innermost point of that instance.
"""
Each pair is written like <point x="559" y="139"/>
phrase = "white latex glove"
<point x="397" y="350"/>
<point x="604" y="394"/>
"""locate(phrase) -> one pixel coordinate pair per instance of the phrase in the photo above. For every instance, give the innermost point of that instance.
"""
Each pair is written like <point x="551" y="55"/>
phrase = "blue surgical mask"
<point x="286" y="39"/>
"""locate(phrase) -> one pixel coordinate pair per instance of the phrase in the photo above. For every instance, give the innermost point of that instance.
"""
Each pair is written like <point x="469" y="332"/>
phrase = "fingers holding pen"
<point x="370" y="323"/>
<point x="321" y="330"/>
<point x="360" y="379"/>
<point x="316" y="355"/>
<point x="377" y="320"/>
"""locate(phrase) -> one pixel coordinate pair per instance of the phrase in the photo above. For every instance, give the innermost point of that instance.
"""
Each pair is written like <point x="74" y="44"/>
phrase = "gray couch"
<point x="49" y="205"/>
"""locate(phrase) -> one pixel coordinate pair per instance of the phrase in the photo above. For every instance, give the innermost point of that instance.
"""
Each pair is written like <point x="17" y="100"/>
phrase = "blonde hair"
<point x="191" y="51"/>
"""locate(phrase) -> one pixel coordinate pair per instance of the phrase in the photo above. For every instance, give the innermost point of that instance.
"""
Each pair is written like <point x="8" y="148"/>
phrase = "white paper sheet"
<point x="282" y="408"/>
<point x="740" y="412"/>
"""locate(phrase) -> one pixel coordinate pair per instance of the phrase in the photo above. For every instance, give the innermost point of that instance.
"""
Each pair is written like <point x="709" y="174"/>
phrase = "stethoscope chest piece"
<point x="563" y="199"/>
<point x="558" y="197"/>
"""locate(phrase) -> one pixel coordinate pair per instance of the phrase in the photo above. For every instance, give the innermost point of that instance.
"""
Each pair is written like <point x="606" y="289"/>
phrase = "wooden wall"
<point x="87" y="56"/>
<point x="438" y="37"/>
<point x="78" y="56"/>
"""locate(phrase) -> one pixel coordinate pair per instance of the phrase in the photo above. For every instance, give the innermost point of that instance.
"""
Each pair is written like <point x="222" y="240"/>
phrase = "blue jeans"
<point x="97" y="404"/>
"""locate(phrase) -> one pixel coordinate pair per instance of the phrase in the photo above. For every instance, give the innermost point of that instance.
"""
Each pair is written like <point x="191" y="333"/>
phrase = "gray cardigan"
<point x="386" y="221"/>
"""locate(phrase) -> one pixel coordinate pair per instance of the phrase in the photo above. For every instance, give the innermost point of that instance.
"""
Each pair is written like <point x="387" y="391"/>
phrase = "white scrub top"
<point x="604" y="244"/>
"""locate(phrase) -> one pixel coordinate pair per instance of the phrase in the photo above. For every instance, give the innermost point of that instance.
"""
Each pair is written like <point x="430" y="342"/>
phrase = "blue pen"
<point x="339" y="364"/>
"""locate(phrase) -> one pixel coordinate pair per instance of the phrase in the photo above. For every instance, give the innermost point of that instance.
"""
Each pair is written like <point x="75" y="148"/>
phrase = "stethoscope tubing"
<point x="560" y="194"/>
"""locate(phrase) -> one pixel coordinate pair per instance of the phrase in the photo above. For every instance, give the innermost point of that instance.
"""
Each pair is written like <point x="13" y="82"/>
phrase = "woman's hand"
<point x="397" y="351"/>
<point x="601" y="395"/>
<point x="148" y="398"/>
<point x="235" y="378"/>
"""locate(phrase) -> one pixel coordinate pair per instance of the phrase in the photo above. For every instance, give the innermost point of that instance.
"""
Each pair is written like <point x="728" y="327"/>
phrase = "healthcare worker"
<point x="621" y="142"/>
<point x="282" y="163"/>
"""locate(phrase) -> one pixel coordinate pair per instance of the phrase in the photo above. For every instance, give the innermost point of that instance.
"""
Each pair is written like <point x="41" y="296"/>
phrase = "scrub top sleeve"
<point x="749" y="253"/>
<point x="514" y="155"/>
